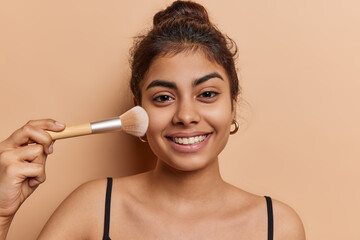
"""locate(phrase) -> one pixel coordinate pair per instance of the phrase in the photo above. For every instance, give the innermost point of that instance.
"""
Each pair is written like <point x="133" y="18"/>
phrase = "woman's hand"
<point x="22" y="166"/>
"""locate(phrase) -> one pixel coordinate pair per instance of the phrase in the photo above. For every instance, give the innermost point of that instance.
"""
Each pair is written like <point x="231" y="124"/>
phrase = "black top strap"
<point x="270" y="218"/>
<point x="107" y="209"/>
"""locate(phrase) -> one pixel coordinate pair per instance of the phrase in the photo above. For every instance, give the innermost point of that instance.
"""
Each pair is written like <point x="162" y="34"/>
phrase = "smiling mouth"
<point x="189" y="140"/>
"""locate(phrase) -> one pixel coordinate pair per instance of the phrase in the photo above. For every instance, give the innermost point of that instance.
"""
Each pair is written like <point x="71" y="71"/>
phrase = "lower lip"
<point x="190" y="148"/>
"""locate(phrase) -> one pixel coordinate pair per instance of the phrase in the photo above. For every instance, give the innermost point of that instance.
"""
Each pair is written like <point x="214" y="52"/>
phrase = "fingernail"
<point x="51" y="149"/>
<point x="34" y="182"/>
<point x="60" y="124"/>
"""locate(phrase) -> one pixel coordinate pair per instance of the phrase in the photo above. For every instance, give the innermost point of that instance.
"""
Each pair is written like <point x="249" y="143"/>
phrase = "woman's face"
<point x="187" y="98"/>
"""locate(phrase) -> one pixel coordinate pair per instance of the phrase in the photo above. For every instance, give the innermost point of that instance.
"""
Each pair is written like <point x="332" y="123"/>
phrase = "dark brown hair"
<point x="183" y="26"/>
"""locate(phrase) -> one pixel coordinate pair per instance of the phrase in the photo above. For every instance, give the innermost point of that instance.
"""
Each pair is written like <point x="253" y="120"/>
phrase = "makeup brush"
<point x="135" y="122"/>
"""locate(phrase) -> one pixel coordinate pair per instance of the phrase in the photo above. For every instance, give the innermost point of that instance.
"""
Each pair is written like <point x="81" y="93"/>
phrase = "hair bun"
<point x="182" y="10"/>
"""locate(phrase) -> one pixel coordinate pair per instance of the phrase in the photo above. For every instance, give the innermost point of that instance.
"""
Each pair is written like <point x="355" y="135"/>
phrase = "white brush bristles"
<point x="135" y="121"/>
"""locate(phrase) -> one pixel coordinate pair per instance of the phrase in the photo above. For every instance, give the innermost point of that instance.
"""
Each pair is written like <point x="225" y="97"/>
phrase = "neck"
<point x="175" y="186"/>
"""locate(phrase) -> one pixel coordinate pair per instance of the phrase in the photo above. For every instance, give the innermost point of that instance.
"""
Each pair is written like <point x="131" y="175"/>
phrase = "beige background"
<point x="299" y="67"/>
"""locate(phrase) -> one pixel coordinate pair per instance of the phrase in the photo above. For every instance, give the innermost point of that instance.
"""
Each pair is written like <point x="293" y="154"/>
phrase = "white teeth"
<point x="190" y="140"/>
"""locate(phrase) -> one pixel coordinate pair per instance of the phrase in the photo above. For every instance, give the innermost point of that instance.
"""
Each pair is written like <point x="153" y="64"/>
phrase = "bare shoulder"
<point x="80" y="215"/>
<point x="287" y="223"/>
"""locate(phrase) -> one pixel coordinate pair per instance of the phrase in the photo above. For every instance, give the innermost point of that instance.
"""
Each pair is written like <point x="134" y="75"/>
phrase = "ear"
<point x="135" y="103"/>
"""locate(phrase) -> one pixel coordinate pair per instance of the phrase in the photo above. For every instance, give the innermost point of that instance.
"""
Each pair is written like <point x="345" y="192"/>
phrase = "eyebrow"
<point x="167" y="84"/>
<point x="206" y="77"/>
<point x="161" y="83"/>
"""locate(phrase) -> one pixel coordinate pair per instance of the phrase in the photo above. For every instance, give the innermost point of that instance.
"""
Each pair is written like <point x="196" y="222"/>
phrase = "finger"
<point x="34" y="182"/>
<point x="47" y="124"/>
<point x="30" y="153"/>
<point x="21" y="171"/>
<point x="38" y="154"/>
<point x="34" y="172"/>
<point x="27" y="132"/>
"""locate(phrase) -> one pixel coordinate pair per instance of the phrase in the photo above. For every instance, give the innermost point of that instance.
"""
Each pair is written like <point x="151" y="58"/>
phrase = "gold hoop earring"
<point x="236" y="127"/>
<point x="143" y="140"/>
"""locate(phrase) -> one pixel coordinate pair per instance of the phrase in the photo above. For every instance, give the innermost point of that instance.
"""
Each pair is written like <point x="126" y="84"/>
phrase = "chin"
<point x="188" y="164"/>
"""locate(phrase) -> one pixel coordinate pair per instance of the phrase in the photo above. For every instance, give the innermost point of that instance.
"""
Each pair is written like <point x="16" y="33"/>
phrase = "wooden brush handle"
<point x="71" y="131"/>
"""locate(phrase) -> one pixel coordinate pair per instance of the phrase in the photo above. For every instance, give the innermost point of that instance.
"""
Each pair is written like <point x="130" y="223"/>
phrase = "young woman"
<point x="183" y="75"/>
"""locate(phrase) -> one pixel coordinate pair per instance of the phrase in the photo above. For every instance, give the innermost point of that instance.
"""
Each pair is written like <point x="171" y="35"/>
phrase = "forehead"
<point x="182" y="66"/>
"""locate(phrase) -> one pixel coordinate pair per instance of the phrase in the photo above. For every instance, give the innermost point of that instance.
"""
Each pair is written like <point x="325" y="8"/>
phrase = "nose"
<point x="186" y="113"/>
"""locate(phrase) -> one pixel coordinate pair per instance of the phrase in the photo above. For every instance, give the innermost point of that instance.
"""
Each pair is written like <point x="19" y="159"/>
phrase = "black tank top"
<point x="108" y="202"/>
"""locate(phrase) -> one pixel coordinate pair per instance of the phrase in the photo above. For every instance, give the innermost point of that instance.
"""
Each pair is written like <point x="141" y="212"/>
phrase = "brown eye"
<point x="162" y="98"/>
<point x="208" y="94"/>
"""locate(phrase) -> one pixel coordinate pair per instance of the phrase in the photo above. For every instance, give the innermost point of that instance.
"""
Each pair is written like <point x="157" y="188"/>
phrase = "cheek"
<point x="159" y="118"/>
<point x="220" y="116"/>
